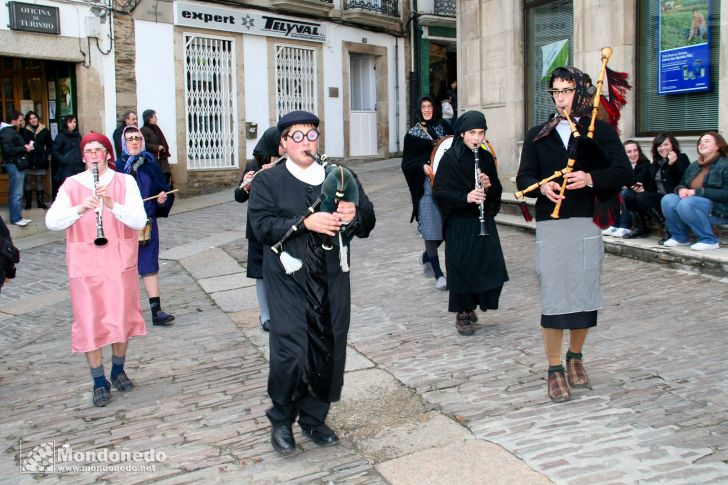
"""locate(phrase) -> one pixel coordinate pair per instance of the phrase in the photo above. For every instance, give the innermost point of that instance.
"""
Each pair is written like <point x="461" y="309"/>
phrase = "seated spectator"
<point x="629" y="210"/>
<point x="700" y="200"/>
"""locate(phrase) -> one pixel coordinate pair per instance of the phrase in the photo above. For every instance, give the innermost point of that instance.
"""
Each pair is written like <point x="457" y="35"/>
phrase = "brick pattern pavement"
<point x="655" y="411"/>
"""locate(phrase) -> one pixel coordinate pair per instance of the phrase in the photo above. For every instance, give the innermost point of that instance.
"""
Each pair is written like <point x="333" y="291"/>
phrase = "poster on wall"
<point x="683" y="45"/>
<point x="554" y="55"/>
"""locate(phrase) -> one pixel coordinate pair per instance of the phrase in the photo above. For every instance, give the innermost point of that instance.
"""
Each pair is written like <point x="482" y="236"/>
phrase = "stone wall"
<point x="125" y="54"/>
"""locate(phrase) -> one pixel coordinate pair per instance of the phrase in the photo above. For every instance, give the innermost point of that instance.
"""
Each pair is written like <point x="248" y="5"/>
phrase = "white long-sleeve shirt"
<point x="131" y="212"/>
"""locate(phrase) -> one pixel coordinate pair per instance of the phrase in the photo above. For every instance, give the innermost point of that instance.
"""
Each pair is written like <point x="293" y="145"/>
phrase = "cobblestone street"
<point x="421" y="404"/>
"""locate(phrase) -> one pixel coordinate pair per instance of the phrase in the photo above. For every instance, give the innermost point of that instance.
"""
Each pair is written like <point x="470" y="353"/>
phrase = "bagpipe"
<point x="339" y="185"/>
<point x="584" y="150"/>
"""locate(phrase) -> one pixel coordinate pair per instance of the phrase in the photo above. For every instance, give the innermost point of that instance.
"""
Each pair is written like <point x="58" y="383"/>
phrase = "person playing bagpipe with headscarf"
<point x="142" y="165"/>
<point x="476" y="269"/>
<point x="569" y="249"/>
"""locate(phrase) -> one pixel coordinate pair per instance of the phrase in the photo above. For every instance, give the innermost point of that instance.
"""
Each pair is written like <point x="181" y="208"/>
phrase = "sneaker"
<point x="101" y="397"/>
<point x="441" y="283"/>
<point x="22" y="222"/>
<point x="609" y="231"/>
<point x="699" y="246"/>
<point x="671" y="243"/>
<point x="122" y="382"/>
<point x="621" y="232"/>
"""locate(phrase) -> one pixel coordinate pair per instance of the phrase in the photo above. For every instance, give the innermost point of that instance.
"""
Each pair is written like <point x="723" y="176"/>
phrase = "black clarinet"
<point x="481" y="207"/>
<point x="100" y="238"/>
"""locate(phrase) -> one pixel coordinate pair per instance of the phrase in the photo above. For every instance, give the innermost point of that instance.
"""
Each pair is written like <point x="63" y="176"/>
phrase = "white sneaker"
<point x="609" y="231"/>
<point x="621" y="232"/>
<point x="698" y="246"/>
<point x="671" y="243"/>
<point x="441" y="283"/>
<point x="22" y="222"/>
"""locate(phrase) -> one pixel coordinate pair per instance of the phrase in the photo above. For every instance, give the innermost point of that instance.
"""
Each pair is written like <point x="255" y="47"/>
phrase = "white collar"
<point x="314" y="174"/>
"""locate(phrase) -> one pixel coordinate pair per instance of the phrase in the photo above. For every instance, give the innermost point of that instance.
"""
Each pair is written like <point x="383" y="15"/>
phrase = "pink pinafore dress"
<point x="103" y="280"/>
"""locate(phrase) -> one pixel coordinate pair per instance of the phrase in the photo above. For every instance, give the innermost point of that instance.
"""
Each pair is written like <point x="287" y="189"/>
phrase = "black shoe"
<point x="322" y="435"/>
<point x="265" y="325"/>
<point x="122" y="382"/>
<point x="28" y="200"/>
<point x="40" y="200"/>
<point x="101" y="397"/>
<point x="163" y="319"/>
<point x="281" y="437"/>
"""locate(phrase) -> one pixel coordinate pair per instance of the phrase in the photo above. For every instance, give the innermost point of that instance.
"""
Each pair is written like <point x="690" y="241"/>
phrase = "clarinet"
<point x="100" y="238"/>
<point x="481" y="207"/>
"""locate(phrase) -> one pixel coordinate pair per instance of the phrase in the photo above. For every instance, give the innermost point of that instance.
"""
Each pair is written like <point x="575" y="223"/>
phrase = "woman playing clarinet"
<point x="418" y="144"/>
<point x="569" y="250"/>
<point x="468" y="191"/>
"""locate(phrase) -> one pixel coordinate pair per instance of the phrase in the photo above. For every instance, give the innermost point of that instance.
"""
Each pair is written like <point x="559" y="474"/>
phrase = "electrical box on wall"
<point x="93" y="27"/>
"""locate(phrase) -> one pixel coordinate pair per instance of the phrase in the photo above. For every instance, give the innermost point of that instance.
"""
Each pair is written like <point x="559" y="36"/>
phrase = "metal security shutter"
<point x="295" y="79"/>
<point x="545" y="23"/>
<point x="688" y="113"/>
<point x="212" y="135"/>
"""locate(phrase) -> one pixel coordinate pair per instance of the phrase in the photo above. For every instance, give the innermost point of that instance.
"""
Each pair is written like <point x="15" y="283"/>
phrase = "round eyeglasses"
<point x="298" y="136"/>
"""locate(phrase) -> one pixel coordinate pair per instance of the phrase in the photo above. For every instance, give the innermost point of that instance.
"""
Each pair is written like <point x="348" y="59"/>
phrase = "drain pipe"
<point x="396" y="90"/>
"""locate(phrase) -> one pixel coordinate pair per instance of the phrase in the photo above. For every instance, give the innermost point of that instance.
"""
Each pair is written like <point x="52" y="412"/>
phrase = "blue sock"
<point x="117" y="365"/>
<point x="99" y="379"/>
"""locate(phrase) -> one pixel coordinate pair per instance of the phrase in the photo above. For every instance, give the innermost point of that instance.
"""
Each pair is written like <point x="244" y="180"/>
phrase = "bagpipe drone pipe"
<point x="339" y="185"/>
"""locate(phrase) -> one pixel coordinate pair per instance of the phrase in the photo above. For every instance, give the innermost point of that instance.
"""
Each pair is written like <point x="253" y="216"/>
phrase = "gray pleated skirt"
<point x="430" y="227"/>
<point x="569" y="257"/>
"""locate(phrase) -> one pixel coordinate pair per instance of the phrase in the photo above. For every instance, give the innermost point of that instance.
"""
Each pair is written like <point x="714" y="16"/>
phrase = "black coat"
<point x="671" y="174"/>
<point x="42" y="143"/>
<point x="66" y="150"/>
<point x="474" y="264"/>
<point x="254" y="267"/>
<point x="540" y="159"/>
<point x="310" y="309"/>
<point x="12" y="143"/>
<point x="416" y="153"/>
<point x="8" y="254"/>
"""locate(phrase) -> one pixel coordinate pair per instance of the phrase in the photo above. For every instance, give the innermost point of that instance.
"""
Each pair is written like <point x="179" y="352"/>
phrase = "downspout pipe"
<point x="396" y="91"/>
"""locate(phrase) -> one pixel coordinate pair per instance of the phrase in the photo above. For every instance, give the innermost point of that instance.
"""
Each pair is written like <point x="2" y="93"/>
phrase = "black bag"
<point x="8" y="251"/>
<point x="21" y="162"/>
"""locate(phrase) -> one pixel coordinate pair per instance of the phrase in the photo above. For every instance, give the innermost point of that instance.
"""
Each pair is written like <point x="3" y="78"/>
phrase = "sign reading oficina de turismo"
<point x="196" y="14"/>
<point x="684" y="46"/>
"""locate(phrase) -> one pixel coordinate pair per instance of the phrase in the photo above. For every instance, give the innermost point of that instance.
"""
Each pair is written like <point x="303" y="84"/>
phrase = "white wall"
<point x="257" y="89"/>
<point x="155" y="55"/>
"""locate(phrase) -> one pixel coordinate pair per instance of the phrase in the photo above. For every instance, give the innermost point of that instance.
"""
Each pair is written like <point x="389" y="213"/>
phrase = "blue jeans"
<point x="691" y="212"/>
<point x="625" y="218"/>
<point x="15" y="192"/>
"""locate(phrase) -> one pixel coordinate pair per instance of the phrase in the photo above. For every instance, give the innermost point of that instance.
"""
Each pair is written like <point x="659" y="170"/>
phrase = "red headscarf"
<point x="101" y="138"/>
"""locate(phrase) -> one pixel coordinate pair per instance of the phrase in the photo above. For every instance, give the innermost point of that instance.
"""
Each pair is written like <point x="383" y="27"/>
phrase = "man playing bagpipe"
<point x="569" y="250"/>
<point x="309" y="302"/>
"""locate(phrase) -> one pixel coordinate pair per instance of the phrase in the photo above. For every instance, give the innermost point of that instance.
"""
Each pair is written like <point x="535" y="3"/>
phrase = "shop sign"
<point x="32" y="17"/>
<point x="194" y="14"/>
<point x="683" y="46"/>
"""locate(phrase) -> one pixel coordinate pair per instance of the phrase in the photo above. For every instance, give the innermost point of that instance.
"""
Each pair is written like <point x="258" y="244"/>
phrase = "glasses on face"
<point x="565" y="91"/>
<point x="133" y="138"/>
<point x="94" y="152"/>
<point x="298" y="136"/>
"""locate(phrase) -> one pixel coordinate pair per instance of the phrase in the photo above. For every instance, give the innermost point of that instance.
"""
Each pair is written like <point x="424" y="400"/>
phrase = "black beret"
<point x="297" y="118"/>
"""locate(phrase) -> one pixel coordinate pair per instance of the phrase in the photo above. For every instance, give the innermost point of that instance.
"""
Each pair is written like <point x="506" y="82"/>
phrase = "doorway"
<point x="363" y="105"/>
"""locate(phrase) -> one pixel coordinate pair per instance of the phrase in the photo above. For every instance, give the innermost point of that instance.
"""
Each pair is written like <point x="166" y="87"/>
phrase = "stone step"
<point x="713" y="262"/>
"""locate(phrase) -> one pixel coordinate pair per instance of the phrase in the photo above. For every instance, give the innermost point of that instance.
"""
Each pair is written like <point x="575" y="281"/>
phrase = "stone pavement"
<point x="420" y="405"/>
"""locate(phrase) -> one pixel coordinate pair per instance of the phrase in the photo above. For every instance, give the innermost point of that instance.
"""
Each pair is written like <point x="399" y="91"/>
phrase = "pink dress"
<point x="103" y="280"/>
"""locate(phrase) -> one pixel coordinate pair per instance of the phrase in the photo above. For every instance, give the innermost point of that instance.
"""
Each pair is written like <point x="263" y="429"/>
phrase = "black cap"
<point x="297" y="118"/>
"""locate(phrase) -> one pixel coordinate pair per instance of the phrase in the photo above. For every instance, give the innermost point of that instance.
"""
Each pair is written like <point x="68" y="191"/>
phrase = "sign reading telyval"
<point x="195" y="14"/>
<point x="32" y="17"/>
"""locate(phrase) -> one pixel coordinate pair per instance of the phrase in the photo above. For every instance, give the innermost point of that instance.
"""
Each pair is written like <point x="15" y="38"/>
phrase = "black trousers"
<point x="311" y="412"/>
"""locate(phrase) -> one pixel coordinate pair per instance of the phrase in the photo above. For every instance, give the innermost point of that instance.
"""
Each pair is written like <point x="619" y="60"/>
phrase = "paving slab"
<point x="200" y="245"/>
<point x="236" y="300"/>
<point x="227" y="282"/>
<point x="209" y="263"/>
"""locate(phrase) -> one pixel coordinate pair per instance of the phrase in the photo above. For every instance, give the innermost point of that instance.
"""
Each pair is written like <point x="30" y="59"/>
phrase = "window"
<point x="295" y="80"/>
<point x="210" y="103"/>
<point x="688" y="113"/>
<point x="545" y="24"/>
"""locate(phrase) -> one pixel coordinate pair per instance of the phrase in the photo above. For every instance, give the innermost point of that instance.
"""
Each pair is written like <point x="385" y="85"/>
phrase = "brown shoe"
<point x="558" y="388"/>
<point x="576" y="373"/>
<point x="464" y="324"/>
<point x="473" y="317"/>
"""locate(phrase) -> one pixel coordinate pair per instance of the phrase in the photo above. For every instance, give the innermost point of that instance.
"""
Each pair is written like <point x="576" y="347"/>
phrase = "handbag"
<point x="21" y="162"/>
